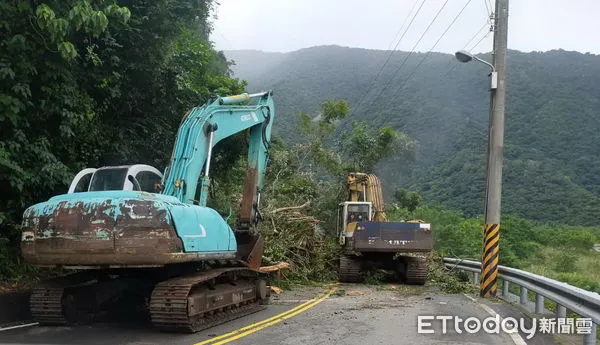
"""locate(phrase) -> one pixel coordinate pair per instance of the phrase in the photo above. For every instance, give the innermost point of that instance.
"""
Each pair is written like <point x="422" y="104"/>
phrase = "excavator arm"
<point x="201" y="129"/>
<point x="369" y="187"/>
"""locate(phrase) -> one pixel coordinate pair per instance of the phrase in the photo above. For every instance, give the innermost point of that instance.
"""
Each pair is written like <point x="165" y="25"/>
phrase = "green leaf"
<point x="45" y="15"/>
<point x="6" y="72"/>
<point x="79" y="16"/>
<point x="17" y="39"/>
<point x="67" y="50"/>
<point x="98" y="22"/>
<point x="58" y="29"/>
<point x="124" y="14"/>
<point x="22" y="90"/>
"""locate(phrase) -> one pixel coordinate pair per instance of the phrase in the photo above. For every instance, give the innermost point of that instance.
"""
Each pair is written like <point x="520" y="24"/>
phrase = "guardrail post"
<point x="476" y="278"/>
<point x="590" y="339"/>
<point x="523" y="299"/>
<point x="505" y="285"/>
<point x="539" y="304"/>
<point x="561" y="311"/>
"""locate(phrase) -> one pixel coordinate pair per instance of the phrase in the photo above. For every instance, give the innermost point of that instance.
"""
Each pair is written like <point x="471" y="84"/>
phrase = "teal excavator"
<point x="140" y="240"/>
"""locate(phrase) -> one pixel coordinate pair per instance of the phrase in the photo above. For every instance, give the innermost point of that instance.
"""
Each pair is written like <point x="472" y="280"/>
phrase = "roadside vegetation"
<point x="91" y="83"/>
<point x="556" y="251"/>
<point x="96" y="84"/>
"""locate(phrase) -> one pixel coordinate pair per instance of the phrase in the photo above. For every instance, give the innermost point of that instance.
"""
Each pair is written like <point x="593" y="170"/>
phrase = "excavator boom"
<point x="369" y="186"/>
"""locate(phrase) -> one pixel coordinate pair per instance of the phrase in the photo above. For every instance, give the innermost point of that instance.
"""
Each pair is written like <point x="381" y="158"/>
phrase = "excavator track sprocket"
<point x="203" y="300"/>
<point x="416" y="270"/>
<point x="350" y="269"/>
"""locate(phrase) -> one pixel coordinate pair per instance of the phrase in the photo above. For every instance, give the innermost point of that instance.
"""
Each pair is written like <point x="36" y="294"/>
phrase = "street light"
<point x="491" y="247"/>
<point x="491" y="238"/>
<point x="465" y="56"/>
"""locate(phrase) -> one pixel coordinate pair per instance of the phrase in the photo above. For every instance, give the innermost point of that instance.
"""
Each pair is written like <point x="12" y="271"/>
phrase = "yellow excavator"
<point x="369" y="240"/>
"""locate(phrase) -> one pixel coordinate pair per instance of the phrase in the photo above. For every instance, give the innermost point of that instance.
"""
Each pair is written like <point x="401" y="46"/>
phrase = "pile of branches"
<point x="292" y="235"/>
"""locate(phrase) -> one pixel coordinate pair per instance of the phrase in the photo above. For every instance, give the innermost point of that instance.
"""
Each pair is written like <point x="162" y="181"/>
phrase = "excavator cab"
<point x="138" y="177"/>
<point x="349" y="214"/>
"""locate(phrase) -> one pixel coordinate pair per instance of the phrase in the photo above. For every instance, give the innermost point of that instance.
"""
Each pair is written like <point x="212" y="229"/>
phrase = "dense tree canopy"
<point x="86" y="83"/>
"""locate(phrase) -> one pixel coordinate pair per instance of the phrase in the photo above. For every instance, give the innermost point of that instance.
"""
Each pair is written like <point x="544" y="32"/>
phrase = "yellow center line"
<point x="237" y="331"/>
<point x="255" y="327"/>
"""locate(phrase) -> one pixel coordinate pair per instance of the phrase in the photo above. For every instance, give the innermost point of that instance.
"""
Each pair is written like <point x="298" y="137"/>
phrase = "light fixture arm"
<point x="493" y="74"/>
<point x="484" y="62"/>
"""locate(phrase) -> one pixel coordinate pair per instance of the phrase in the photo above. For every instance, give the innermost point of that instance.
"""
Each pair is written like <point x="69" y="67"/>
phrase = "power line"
<point x="487" y="8"/>
<point x="489" y="2"/>
<point x="448" y="71"/>
<point x="374" y="80"/>
<point x="466" y="45"/>
<point x="451" y="66"/>
<point x="412" y="50"/>
<point x="479" y="42"/>
<point x="476" y="34"/>
<point x="402" y="26"/>
<point x="436" y="43"/>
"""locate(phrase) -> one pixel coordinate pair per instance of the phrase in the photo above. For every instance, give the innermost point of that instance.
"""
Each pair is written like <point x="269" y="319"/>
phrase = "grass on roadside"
<point x="447" y="280"/>
<point x="572" y="266"/>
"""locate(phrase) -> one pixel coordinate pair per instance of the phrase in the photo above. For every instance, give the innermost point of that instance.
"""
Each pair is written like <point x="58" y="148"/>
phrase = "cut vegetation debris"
<point x="276" y="290"/>
<point x="355" y="293"/>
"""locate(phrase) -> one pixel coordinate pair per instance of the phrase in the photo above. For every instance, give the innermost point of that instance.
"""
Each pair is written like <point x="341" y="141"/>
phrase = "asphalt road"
<point x="354" y="314"/>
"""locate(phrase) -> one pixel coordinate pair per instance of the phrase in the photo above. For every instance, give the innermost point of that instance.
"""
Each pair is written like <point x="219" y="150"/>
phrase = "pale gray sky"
<point x="287" y="25"/>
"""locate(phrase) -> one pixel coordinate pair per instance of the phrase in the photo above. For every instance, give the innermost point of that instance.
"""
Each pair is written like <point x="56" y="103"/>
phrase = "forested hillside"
<point x="551" y="170"/>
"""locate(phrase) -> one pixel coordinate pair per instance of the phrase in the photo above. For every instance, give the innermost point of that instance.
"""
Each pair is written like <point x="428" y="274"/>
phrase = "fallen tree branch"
<point x="305" y="218"/>
<point x="278" y="266"/>
<point x="281" y="209"/>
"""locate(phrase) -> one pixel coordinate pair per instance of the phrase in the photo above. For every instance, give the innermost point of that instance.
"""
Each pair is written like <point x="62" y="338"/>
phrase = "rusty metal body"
<point x="115" y="228"/>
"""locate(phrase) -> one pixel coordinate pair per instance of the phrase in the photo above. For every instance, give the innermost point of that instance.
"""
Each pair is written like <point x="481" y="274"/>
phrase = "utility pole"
<point x="489" y="265"/>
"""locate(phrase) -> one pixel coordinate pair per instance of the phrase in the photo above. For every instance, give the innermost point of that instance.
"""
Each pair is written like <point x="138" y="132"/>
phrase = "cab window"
<point x="83" y="184"/>
<point x="148" y="181"/>
<point x="108" y="179"/>
<point x="358" y="213"/>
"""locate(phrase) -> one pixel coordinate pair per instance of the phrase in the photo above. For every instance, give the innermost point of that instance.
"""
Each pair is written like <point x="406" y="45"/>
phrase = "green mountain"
<point x="552" y="138"/>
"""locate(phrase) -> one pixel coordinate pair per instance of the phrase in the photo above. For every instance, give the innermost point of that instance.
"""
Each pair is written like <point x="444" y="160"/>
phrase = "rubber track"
<point x="416" y="271"/>
<point x="168" y="304"/>
<point x="350" y="269"/>
<point x="45" y="304"/>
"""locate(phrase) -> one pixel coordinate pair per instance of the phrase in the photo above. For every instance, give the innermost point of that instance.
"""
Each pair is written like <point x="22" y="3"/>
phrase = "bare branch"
<point x="281" y="209"/>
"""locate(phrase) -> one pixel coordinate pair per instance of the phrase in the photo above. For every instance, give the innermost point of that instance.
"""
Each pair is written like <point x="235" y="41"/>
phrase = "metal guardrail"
<point x="566" y="297"/>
